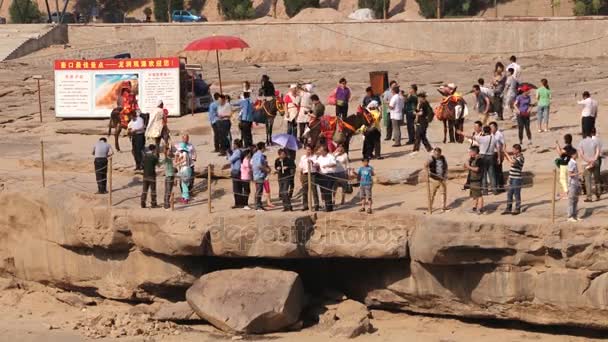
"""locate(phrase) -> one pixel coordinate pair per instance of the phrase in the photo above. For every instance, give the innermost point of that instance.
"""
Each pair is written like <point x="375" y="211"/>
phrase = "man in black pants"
<point x="150" y="161"/>
<point x="424" y="113"/>
<point x="102" y="151"/>
<point x="409" y="109"/>
<point x="285" y="168"/>
<point x="588" y="114"/>
<point x="136" y="130"/>
<point x="246" y="119"/>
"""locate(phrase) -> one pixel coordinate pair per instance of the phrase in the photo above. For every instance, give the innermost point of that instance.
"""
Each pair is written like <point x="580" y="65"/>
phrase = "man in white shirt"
<point x="309" y="159"/>
<point x="326" y="162"/>
<point x="224" y="113"/>
<point x="386" y="98"/>
<point x="589" y="113"/>
<point x="395" y="107"/>
<point x="516" y="68"/>
<point x="136" y="129"/>
<point x="292" y="104"/>
<point x="498" y="154"/>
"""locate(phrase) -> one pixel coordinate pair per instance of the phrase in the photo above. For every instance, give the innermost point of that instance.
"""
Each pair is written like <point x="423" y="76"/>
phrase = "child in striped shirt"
<point x="516" y="158"/>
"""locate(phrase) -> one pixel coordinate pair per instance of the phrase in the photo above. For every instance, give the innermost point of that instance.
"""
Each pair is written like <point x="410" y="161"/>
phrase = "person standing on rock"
<point x="235" y="160"/>
<point x="523" y="105"/>
<point x="183" y="161"/>
<point x="326" y="162"/>
<point x="136" y="130"/>
<point x="438" y="171"/>
<point x="224" y="111"/>
<point x="246" y="119"/>
<point x="409" y="110"/>
<point x="516" y="158"/>
<point x="386" y="98"/>
<point x="308" y="162"/>
<point x="169" y="175"/>
<point x="285" y="168"/>
<point x="343" y="95"/>
<point x="102" y="151"/>
<point x="365" y="175"/>
<point x="260" y="171"/>
<point x="191" y="160"/>
<point x="156" y="124"/>
<point x="473" y="165"/>
<point x="543" y="100"/>
<point x="574" y="187"/>
<point x="483" y="104"/>
<point x="589" y="113"/>
<point x="424" y="113"/>
<point x="516" y="68"/>
<point x="510" y="92"/>
<point x="292" y="104"/>
<point x="395" y="106"/>
<point x="246" y="176"/>
<point x="306" y="105"/>
<point x="564" y="154"/>
<point x="590" y="152"/>
<point x="213" y="113"/>
<point x="150" y="161"/>
<point x="498" y="156"/>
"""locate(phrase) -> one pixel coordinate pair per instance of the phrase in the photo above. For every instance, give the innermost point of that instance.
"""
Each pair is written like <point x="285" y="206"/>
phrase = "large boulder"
<point x="248" y="301"/>
<point x="352" y="320"/>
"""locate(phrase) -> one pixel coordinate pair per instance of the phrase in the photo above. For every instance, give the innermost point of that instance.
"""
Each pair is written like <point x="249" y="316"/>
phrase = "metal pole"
<point x="110" y="181"/>
<point x="209" y="187"/>
<point x="42" y="162"/>
<point x="309" y="175"/>
<point x="553" y="197"/>
<point x="39" y="101"/>
<point x="428" y="189"/>
<point x="219" y="73"/>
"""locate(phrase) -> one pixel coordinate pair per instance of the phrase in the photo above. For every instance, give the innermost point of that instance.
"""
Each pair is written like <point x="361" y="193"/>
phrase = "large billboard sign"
<point x="92" y="88"/>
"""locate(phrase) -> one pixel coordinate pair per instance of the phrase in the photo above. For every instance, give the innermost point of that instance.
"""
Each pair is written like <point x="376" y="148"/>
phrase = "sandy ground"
<point x="33" y="313"/>
<point x="69" y="168"/>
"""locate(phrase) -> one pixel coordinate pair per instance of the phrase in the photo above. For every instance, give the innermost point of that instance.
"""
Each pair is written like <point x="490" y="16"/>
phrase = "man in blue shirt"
<point x="246" y="119"/>
<point x="260" y="171"/>
<point x="213" y="121"/>
<point x="235" y="173"/>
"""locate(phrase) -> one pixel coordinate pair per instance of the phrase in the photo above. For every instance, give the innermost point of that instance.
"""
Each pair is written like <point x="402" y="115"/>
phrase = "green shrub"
<point x="236" y="9"/>
<point x="591" y="7"/>
<point x="376" y="6"/>
<point x="24" y="12"/>
<point x="293" y="7"/>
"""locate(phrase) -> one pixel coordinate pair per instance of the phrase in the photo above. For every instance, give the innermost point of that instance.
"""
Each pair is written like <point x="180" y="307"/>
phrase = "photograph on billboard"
<point x="93" y="88"/>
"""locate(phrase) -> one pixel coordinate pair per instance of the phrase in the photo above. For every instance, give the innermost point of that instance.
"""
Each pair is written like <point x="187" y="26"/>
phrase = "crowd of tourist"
<point x="323" y="167"/>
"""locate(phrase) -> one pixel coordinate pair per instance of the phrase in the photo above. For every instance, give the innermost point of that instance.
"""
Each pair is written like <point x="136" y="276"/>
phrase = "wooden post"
<point x="309" y="175"/>
<point x="384" y="9"/>
<point x="192" y="93"/>
<point x="209" y="187"/>
<point x="110" y="181"/>
<point x="428" y="190"/>
<point x="495" y="8"/>
<point x="553" y="197"/>
<point x="438" y="9"/>
<point x="39" y="100"/>
<point x="42" y="162"/>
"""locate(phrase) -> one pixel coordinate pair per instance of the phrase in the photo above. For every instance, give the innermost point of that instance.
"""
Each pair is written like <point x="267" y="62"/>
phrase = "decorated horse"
<point x="451" y="111"/>
<point x="265" y="111"/>
<point x="330" y="130"/>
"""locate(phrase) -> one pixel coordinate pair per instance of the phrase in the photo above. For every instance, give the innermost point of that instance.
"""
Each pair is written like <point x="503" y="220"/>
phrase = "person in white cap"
<point x="305" y="109"/>
<point x="372" y="142"/>
<point x="155" y="124"/>
<point x="292" y="102"/>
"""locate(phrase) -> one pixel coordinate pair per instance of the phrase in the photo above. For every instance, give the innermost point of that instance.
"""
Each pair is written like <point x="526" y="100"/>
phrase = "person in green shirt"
<point x="543" y="99"/>
<point x="169" y="175"/>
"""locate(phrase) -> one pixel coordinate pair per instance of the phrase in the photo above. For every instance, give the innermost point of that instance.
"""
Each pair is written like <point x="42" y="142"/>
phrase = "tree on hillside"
<point x="591" y="7"/>
<point x="293" y="7"/>
<point x="24" y="12"/>
<point x="236" y="9"/>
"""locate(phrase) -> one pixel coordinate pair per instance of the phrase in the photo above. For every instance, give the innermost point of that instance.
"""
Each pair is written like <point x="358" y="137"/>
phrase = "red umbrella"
<point x="217" y="43"/>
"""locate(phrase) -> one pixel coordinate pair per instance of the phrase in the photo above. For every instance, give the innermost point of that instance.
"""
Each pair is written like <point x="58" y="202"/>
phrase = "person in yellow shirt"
<point x="373" y="135"/>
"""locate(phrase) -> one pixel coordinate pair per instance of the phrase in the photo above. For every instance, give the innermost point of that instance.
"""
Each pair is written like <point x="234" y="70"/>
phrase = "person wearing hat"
<point x="305" y="108"/>
<point x="424" y="113"/>
<point x="156" y="124"/>
<point x="292" y="103"/>
<point x="267" y="87"/>
<point x="372" y="142"/>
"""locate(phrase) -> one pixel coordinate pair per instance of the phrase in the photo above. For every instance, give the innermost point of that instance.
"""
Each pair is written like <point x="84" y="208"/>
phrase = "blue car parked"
<point x="186" y="17"/>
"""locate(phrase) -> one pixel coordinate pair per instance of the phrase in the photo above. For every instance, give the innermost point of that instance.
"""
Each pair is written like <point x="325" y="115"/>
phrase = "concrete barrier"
<point x="386" y="40"/>
<point x="20" y="40"/>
